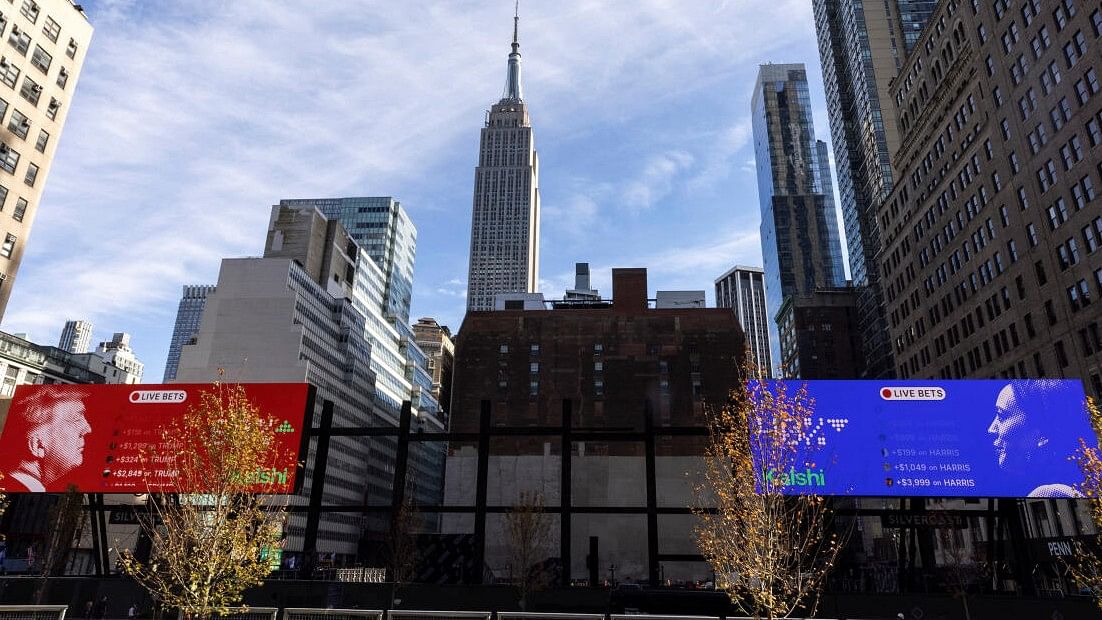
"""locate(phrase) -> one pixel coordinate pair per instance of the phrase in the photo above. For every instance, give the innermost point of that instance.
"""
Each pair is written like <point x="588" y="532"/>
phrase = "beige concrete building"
<point x="43" y="49"/>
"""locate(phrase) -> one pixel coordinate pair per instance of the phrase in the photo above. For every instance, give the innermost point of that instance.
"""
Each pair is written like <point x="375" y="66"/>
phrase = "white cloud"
<point x="656" y="180"/>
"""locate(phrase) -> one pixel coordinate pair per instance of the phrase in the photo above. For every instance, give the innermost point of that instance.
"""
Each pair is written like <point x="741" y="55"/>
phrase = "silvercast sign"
<point x="928" y="520"/>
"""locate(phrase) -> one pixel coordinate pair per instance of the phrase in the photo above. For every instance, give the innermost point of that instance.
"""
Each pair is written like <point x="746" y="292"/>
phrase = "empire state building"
<point x="505" y="218"/>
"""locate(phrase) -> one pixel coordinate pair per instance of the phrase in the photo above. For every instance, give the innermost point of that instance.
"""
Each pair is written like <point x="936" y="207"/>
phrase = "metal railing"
<point x="533" y="615"/>
<point x="33" y="612"/>
<point x="438" y="615"/>
<point x="248" y="613"/>
<point x="308" y="613"/>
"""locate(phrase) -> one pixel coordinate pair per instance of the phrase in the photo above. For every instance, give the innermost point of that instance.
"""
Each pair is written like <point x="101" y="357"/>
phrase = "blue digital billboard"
<point x="999" y="438"/>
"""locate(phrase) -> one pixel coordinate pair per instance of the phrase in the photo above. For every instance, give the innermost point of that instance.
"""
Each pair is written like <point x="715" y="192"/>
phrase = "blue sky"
<point x="192" y="118"/>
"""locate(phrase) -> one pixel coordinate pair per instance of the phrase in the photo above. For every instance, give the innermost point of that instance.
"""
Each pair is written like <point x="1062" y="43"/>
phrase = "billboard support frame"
<point x="317" y="487"/>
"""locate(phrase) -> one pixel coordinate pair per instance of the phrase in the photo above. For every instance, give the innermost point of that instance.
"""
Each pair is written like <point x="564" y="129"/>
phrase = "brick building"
<point x="600" y="409"/>
<point x="991" y="254"/>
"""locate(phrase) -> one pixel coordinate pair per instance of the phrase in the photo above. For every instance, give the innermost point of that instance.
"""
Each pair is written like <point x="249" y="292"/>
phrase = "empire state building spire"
<point x="505" y="214"/>
<point x="513" y="91"/>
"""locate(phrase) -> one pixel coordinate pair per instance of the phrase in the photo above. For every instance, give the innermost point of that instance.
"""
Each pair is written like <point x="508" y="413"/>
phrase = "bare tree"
<point x="210" y="544"/>
<point x="1086" y="565"/>
<point x="401" y="542"/>
<point x="959" y="568"/>
<point x="64" y="517"/>
<point x="770" y="549"/>
<point x="528" y="534"/>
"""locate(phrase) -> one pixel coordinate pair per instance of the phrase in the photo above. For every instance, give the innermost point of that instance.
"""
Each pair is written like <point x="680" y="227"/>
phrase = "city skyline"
<point x="658" y="176"/>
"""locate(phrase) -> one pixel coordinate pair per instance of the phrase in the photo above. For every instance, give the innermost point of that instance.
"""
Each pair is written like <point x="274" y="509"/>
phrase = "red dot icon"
<point x="886" y="393"/>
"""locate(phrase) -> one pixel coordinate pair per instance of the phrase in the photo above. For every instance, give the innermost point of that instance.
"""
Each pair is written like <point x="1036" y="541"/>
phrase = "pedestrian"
<point x="100" y="610"/>
<point x="88" y="610"/>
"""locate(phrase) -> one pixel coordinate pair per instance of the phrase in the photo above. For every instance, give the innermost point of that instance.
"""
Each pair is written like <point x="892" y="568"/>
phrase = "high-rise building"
<point x="48" y="39"/>
<point x="383" y="230"/>
<point x="505" y="216"/>
<point x="819" y="338"/>
<point x="862" y="45"/>
<point x="188" y="316"/>
<point x="436" y="341"/>
<point x="76" y="336"/>
<point x="743" y="290"/>
<point x="117" y="352"/>
<point x="799" y="227"/>
<point x="312" y="310"/>
<point x="992" y="247"/>
<point x="387" y="242"/>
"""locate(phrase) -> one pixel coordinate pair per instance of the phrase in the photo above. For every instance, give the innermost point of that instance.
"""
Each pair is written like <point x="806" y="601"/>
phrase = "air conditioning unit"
<point x="36" y="88"/>
<point x="4" y="149"/>
<point x="15" y="31"/>
<point x="54" y="104"/>
<point x="24" y="123"/>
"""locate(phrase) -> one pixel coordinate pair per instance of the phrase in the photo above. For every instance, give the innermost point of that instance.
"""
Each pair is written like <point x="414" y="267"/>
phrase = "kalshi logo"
<point x="912" y="393"/>
<point x="146" y="397"/>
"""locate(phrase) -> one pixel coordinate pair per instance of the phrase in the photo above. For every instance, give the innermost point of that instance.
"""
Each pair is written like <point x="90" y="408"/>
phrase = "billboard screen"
<point x="94" y="436"/>
<point x="1002" y="438"/>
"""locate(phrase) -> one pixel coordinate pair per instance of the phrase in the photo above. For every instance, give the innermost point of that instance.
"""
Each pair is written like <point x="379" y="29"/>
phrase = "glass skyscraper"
<point x="799" y="228"/>
<point x="382" y="229"/>
<point x="188" y="317"/>
<point x="862" y="45"/>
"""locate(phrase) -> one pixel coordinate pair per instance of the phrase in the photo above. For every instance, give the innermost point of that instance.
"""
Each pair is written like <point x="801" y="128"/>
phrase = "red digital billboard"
<point x="111" y="438"/>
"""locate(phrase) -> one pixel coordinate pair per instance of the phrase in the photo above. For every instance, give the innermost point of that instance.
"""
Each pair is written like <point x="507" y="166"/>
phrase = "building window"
<point x="1094" y="131"/>
<point x="20" y="40"/>
<point x="9" y="73"/>
<point x="8" y="246"/>
<point x="30" y="10"/>
<point x="19" y="124"/>
<point x="41" y="60"/>
<point x="1090" y="240"/>
<point x="32" y="175"/>
<point x="43" y="139"/>
<point x="20" y="210"/>
<point x="71" y="49"/>
<point x="30" y="90"/>
<point x="503" y="348"/>
<point x="3" y="196"/>
<point x="62" y="77"/>
<point x="51" y="29"/>
<point x="9" y="158"/>
<point x="51" y="110"/>
<point x="534" y="367"/>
